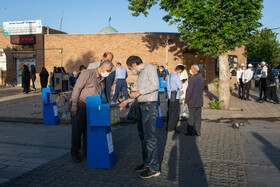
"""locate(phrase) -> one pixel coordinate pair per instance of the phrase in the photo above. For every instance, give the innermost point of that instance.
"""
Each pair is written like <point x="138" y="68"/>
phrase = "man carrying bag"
<point x="174" y="85"/>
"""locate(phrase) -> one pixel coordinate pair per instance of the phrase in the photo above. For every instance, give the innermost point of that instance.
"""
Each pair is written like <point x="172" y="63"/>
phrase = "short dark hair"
<point x="179" y="67"/>
<point x="119" y="63"/>
<point x="162" y="66"/>
<point x="82" y="67"/>
<point x="134" y="60"/>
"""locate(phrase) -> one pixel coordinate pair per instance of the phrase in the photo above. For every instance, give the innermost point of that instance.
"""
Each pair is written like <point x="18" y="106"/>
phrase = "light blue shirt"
<point x="174" y="84"/>
<point x="120" y="73"/>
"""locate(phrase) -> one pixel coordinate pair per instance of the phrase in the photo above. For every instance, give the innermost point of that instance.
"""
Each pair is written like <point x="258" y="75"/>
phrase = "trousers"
<point x="246" y="90"/>
<point x="240" y="89"/>
<point x="147" y="135"/>
<point x="173" y="115"/>
<point x="194" y="120"/>
<point x="79" y="130"/>
<point x="262" y="88"/>
<point x="121" y="85"/>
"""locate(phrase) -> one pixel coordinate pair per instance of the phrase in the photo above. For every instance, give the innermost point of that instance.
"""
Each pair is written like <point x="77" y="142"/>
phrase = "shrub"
<point x="215" y="105"/>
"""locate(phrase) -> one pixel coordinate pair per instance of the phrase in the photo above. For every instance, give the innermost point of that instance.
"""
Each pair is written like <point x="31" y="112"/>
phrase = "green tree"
<point x="212" y="27"/>
<point x="264" y="46"/>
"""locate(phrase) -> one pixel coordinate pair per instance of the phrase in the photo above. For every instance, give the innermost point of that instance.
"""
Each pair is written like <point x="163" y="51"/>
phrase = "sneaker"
<point x="149" y="174"/>
<point x="142" y="167"/>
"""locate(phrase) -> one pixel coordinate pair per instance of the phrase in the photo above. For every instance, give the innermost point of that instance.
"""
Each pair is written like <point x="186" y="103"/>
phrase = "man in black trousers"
<point x="174" y="85"/>
<point x="194" y="101"/>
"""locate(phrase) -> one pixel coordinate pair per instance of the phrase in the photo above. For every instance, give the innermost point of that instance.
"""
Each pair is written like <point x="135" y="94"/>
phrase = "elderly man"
<point x="262" y="88"/>
<point x="194" y="101"/>
<point x="246" y="79"/>
<point x="109" y="81"/>
<point x="147" y="96"/>
<point x="90" y="83"/>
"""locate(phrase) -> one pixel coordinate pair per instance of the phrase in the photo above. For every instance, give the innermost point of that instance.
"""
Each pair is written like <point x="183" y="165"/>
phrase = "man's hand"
<point x="185" y="104"/>
<point x="74" y="110"/>
<point x="238" y="83"/>
<point x="134" y="95"/>
<point x="123" y="104"/>
<point x="115" y="82"/>
<point x="244" y="82"/>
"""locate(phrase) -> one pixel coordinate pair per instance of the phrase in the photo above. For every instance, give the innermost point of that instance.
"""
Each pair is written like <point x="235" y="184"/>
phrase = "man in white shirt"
<point x="239" y="74"/>
<point x="246" y="79"/>
<point x="262" y="86"/>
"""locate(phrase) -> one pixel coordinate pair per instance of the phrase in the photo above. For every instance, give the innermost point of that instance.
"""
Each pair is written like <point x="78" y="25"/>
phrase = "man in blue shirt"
<point x="174" y="84"/>
<point x="120" y="81"/>
<point x="72" y="79"/>
<point x="164" y="72"/>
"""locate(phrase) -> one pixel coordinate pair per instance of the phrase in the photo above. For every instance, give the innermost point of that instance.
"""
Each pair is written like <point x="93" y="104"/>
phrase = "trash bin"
<point x="50" y="113"/>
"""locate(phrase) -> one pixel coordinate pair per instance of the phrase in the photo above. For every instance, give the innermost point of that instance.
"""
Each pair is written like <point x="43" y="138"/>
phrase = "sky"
<point x="91" y="16"/>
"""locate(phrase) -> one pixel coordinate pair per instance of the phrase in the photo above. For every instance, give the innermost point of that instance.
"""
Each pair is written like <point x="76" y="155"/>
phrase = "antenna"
<point x="109" y="21"/>
<point x="61" y="21"/>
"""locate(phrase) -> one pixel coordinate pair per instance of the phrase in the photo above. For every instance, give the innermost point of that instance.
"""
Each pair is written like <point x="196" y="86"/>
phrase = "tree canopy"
<point x="264" y="46"/>
<point x="212" y="27"/>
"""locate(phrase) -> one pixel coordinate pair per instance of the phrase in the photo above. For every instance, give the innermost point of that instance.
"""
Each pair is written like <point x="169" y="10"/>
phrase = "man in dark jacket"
<point x="194" y="101"/>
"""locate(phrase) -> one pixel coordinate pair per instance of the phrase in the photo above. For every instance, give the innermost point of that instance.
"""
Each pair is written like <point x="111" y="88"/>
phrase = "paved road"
<point x="36" y="155"/>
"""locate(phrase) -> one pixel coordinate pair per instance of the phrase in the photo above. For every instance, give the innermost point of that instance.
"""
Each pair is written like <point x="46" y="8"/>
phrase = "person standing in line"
<point x="147" y="96"/>
<point x="246" y="79"/>
<point x="73" y="79"/>
<point x="120" y="81"/>
<point x="158" y="71"/>
<point x="26" y="79"/>
<point x="33" y="75"/>
<point x="262" y="85"/>
<point x="164" y="72"/>
<point x="174" y="85"/>
<point x="184" y="78"/>
<point x="44" y="76"/>
<point x="239" y="74"/>
<point x="109" y="81"/>
<point x="271" y="90"/>
<point x="90" y="83"/>
<point x="194" y="101"/>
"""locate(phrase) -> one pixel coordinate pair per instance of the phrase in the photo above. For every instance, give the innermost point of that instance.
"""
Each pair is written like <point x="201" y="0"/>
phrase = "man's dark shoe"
<point x="149" y="174"/>
<point x="142" y="167"/>
<point x="197" y="134"/>
<point x="76" y="159"/>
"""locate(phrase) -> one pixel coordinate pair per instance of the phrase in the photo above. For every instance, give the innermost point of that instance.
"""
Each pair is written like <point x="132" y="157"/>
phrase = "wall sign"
<point x="23" y="39"/>
<point x="22" y="27"/>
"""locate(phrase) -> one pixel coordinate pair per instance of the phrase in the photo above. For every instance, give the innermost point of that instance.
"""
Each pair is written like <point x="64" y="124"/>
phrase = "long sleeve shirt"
<point x="174" y="84"/>
<point x="239" y="74"/>
<point x="263" y="72"/>
<point x="147" y="84"/>
<point x="247" y="75"/>
<point x="89" y="83"/>
<point x="121" y="73"/>
<point x="194" y="93"/>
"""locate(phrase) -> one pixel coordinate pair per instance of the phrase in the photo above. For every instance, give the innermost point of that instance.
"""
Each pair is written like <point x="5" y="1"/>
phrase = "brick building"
<point x="55" y="48"/>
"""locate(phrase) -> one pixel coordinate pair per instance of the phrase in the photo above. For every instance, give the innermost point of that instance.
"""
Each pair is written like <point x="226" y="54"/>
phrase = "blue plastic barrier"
<point x="161" y="98"/>
<point x="50" y="114"/>
<point x="100" y="117"/>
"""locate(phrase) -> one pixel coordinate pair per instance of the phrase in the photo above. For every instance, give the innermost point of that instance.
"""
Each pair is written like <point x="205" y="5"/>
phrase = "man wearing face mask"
<point x="147" y="95"/>
<point x="89" y="83"/>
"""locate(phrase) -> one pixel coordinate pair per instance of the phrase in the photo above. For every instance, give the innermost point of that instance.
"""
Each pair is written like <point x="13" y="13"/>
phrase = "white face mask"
<point x="191" y="72"/>
<point x="133" y="72"/>
<point x="105" y="74"/>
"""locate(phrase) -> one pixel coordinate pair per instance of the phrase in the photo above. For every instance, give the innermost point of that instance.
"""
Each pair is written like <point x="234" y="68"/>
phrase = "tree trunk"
<point x="224" y="81"/>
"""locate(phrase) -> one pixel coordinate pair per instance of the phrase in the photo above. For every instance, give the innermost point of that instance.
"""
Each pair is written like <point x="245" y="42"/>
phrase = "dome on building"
<point x="108" y="30"/>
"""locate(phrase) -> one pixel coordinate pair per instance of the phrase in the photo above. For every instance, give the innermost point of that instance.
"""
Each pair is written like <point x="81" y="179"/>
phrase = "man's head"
<point x="118" y="64"/>
<point x="108" y="56"/>
<point x="82" y="68"/>
<point x="263" y="64"/>
<point x="250" y="66"/>
<point x="134" y="63"/>
<point x="243" y="66"/>
<point x="75" y="73"/>
<point x="157" y="67"/>
<point x="105" y="68"/>
<point x="194" y="69"/>
<point x="161" y="68"/>
<point x="179" y="69"/>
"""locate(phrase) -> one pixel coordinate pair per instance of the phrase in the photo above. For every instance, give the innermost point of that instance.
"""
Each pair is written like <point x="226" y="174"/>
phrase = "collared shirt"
<point x="247" y="75"/>
<point x="147" y="84"/>
<point x="174" y="84"/>
<point x="120" y="73"/>
<point x="89" y="83"/>
<point x="239" y="74"/>
<point x="263" y="72"/>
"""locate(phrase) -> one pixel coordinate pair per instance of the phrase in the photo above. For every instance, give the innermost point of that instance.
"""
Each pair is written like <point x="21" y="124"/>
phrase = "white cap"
<point x="242" y="64"/>
<point x="250" y="65"/>
<point x="263" y="63"/>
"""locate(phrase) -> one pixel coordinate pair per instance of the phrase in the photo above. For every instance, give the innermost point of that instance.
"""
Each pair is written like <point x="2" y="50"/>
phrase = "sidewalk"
<point x="19" y="107"/>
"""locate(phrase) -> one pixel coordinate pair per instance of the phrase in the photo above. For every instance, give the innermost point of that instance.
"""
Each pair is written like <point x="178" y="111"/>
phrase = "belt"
<point x="120" y="79"/>
<point x="149" y="102"/>
<point x="80" y="101"/>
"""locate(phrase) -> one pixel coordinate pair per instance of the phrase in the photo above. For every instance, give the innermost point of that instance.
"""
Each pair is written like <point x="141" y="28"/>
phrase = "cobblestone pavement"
<point x="214" y="159"/>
